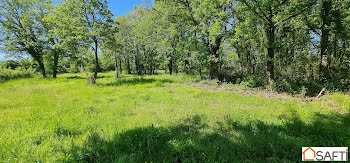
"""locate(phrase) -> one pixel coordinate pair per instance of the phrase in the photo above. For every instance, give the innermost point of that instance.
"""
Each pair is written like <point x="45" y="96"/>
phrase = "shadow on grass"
<point x="135" y="81"/>
<point x="229" y="141"/>
<point x="75" y="77"/>
<point x="79" y="77"/>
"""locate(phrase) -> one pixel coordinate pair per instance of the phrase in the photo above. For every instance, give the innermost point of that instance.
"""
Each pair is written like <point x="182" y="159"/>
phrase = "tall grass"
<point x="159" y="119"/>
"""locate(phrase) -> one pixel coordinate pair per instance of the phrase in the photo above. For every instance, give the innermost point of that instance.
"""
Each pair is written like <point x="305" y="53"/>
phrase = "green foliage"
<point x="254" y="81"/>
<point x="22" y="28"/>
<point x="9" y="64"/>
<point x="11" y="74"/>
<point x="291" y="42"/>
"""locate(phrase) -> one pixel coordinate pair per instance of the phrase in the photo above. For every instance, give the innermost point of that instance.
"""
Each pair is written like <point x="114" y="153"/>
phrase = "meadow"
<point x="161" y="119"/>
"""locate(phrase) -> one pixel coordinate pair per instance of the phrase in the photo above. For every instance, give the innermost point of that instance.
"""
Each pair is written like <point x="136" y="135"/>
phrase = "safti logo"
<point x="325" y="154"/>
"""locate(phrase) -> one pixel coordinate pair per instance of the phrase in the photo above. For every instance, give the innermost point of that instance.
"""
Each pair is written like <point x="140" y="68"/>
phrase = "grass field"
<point x="160" y="119"/>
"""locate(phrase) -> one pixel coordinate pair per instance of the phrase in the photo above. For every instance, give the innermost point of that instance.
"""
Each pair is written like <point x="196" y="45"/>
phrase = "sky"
<point x="122" y="7"/>
<point x="118" y="8"/>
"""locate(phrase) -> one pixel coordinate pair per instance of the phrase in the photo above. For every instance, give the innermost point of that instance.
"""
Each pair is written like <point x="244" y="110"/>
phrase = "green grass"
<point x="159" y="119"/>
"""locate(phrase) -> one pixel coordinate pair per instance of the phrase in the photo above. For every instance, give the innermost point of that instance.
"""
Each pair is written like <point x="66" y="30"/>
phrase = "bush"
<point x="9" y="74"/>
<point x="254" y="81"/>
<point x="9" y="65"/>
<point x="91" y="78"/>
<point x="298" y="86"/>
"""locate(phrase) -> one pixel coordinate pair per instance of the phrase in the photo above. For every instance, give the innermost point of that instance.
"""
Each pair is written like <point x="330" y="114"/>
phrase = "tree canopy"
<point x="288" y="45"/>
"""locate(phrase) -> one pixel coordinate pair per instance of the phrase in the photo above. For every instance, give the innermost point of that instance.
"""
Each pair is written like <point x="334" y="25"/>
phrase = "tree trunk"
<point x="128" y="65"/>
<point x="82" y="70"/>
<point x="249" y="62"/>
<point x="335" y="47"/>
<point x="55" y="63"/>
<point x="326" y="6"/>
<point x="311" y="71"/>
<point x="270" y="54"/>
<point x="97" y="66"/>
<point x="214" y="64"/>
<point x="254" y="65"/>
<point x="214" y="70"/>
<point x="170" y="65"/>
<point x="38" y="58"/>
<point x="138" y="66"/>
<point x="116" y="67"/>
<point x="187" y="64"/>
<point x="120" y="66"/>
<point x="343" y="53"/>
<point x="42" y="66"/>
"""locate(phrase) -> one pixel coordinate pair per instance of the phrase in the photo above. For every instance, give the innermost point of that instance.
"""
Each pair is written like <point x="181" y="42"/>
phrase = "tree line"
<point x="286" y="45"/>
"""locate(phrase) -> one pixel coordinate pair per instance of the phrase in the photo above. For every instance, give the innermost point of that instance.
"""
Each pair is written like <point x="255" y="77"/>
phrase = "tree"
<point x="112" y="44"/>
<point x="328" y="23"/>
<point x="21" y="24"/>
<point x="59" y="24"/>
<point x="273" y="13"/>
<point x="213" y="20"/>
<point x="95" y="20"/>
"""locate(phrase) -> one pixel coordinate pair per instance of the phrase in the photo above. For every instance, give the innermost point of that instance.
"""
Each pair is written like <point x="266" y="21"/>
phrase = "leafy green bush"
<point x="254" y="81"/>
<point x="91" y="78"/>
<point x="298" y="87"/>
<point x="9" y="74"/>
<point x="9" y="64"/>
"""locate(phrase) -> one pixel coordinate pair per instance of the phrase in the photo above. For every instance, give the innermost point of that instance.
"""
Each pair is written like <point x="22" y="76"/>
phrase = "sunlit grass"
<point x="159" y="118"/>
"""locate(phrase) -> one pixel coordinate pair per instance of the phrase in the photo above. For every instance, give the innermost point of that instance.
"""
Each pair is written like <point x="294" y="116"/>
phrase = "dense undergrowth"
<point x="160" y="119"/>
<point x="10" y="74"/>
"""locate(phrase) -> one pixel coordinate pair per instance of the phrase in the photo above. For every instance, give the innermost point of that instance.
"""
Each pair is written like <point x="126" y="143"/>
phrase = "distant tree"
<point x="213" y="20"/>
<point x="95" y="20"/>
<point x="111" y="44"/>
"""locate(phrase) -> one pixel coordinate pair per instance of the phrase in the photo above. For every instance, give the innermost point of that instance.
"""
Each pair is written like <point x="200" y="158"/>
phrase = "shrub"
<point x="9" y="74"/>
<point x="91" y="78"/>
<point x="298" y="86"/>
<point x="9" y="65"/>
<point x="254" y="81"/>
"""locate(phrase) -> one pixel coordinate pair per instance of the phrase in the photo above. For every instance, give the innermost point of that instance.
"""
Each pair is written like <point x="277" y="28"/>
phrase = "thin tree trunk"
<point x="311" y="69"/>
<point x="335" y="48"/>
<point x="138" y="66"/>
<point x="97" y="66"/>
<point x="116" y="67"/>
<point x="55" y="63"/>
<point x="270" y="54"/>
<point x="326" y="4"/>
<point x="82" y="70"/>
<point x="249" y="62"/>
<point x="344" y="53"/>
<point x="170" y="65"/>
<point x="128" y="65"/>
<point x="120" y="66"/>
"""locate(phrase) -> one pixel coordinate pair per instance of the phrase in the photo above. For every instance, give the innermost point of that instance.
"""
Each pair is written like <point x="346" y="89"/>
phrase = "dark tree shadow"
<point x="74" y="77"/>
<point x="134" y="81"/>
<point x="192" y="140"/>
<point x="79" y="77"/>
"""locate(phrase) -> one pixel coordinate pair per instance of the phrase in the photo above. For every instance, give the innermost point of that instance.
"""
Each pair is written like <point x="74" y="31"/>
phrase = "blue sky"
<point x="122" y="7"/>
<point x="118" y="8"/>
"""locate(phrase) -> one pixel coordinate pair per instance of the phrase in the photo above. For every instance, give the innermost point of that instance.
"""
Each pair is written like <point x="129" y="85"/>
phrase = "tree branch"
<point x="295" y="15"/>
